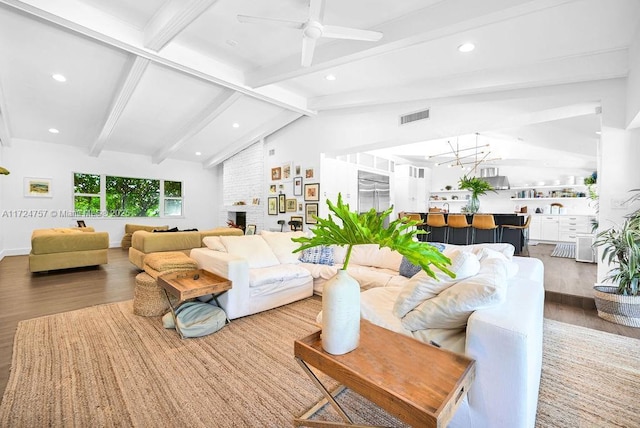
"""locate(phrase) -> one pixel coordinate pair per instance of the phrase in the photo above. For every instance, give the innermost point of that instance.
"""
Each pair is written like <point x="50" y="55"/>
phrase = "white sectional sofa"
<point x="503" y="334"/>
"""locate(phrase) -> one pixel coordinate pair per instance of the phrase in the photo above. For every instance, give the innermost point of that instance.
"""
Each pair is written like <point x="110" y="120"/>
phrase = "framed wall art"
<point x="292" y="205"/>
<point x="37" y="187"/>
<point x="272" y="205"/>
<point x="276" y="173"/>
<point x="310" y="211"/>
<point x="312" y="192"/>
<point x="286" y="171"/>
<point x="282" y="207"/>
<point x="308" y="173"/>
<point x="251" y="229"/>
<point x="297" y="186"/>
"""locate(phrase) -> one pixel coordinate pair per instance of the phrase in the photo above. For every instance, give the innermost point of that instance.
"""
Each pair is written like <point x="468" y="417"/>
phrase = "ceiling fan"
<point x="313" y="29"/>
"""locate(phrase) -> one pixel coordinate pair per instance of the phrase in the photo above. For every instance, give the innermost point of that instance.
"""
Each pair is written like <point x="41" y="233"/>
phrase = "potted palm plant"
<point x="478" y="187"/>
<point x="341" y="294"/>
<point x="621" y="249"/>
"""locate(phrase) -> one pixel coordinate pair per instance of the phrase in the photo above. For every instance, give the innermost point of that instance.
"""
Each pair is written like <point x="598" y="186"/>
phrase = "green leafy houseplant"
<point x="476" y="185"/>
<point x="622" y="250"/>
<point x="368" y="228"/>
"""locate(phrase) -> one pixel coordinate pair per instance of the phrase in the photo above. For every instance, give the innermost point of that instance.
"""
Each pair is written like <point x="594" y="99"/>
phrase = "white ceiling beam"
<point x="127" y="86"/>
<point x="5" y="132"/>
<point x="253" y="136"/>
<point x="83" y="19"/>
<point x="593" y="66"/>
<point x="202" y="119"/>
<point x="171" y="19"/>
<point x="443" y="19"/>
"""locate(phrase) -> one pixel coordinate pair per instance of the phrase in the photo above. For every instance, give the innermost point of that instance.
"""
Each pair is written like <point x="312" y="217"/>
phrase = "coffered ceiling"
<point x="170" y="78"/>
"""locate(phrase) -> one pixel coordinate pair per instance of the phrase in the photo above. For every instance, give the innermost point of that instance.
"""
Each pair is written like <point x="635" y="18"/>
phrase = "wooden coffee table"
<point x="419" y="384"/>
<point x="190" y="284"/>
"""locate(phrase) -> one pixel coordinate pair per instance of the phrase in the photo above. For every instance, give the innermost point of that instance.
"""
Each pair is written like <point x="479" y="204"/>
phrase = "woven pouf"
<point x="149" y="299"/>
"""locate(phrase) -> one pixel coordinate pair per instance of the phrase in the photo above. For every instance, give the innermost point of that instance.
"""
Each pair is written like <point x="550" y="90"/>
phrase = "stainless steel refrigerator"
<point x="373" y="192"/>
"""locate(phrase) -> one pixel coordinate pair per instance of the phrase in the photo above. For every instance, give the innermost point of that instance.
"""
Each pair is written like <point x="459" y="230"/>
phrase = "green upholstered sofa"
<point x="63" y="248"/>
<point x="144" y="242"/>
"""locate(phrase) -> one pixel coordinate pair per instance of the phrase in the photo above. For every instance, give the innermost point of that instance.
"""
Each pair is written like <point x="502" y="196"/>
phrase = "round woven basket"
<point x="149" y="299"/>
<point x="615" y="307"/>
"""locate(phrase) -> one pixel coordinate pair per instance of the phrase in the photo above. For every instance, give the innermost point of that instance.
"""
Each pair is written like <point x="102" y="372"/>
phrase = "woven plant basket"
<point x="149" y="299"/>
<point x="615" y="307"/>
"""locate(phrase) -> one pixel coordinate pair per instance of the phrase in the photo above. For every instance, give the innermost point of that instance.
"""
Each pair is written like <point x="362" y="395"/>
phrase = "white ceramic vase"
<point x="340" y="314"/>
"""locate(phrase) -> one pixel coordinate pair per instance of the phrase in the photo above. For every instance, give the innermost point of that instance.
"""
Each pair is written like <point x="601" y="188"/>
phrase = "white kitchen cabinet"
<point x="571" y="226"/>
<point x="535" y="228"/>
<point x="410" y="188"/>
<point x="549" y="230"/>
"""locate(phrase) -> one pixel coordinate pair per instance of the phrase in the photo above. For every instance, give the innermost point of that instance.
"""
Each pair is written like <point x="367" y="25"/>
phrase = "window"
<point x="126" y="196"/>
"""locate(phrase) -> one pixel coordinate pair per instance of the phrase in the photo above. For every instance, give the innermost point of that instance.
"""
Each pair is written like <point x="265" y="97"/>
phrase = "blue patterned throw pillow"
<point x="319" y="255"/>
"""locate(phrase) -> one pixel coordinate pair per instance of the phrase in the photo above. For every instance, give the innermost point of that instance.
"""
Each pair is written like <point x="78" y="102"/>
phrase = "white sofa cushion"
<point x="507" y="249"/>
<point x="214" y="243"/>
<point x="373" y="255"/>
<point x="453" y="306"/>
<point x="282" y="273"/>
<point x="422" y="287"/>
<point x="282" y="245"/>
<point x="253" y="248"/>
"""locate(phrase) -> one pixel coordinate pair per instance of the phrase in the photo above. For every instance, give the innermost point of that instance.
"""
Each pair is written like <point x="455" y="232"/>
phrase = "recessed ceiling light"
<point x="598" y="132"/>
<point x="236" y="125"/>
<point x="53" y="130"/>
<point x="59" y="78"/>
<point x="330" y="77"/>
<point x="198" y="153"/>
<point x="466" y="47"/>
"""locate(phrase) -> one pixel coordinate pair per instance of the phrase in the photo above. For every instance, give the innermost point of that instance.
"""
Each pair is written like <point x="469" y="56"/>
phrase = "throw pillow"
<point x="422" y="287"/>
<point x="214" y="243"/>
<point x="408" y="269"/>
<point x="253" y="248"/>
<point x="318" y="255"/>
<point x="282" y="245"/>
<point x="452" y="307"/>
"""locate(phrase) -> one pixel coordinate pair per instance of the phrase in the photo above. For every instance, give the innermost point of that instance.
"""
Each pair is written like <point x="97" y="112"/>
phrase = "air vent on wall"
<point x="413" y="117"/>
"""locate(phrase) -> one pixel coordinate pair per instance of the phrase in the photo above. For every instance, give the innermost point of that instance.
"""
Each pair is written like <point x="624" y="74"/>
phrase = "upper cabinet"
<point x="410" y="188"/>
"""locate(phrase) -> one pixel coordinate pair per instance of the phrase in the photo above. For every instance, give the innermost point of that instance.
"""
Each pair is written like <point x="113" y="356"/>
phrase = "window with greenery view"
<point x="126" y="196"/>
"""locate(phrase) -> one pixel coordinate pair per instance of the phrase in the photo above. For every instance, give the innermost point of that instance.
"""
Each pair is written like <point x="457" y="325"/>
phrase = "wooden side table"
<point x="190" y="284"/>
<point x="418" y="383"/>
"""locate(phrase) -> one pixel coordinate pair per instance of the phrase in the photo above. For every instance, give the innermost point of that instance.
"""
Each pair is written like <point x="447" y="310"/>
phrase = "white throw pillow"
<point x="452" y="307"/>
<point x="253" y="248"/>
<point x="373" y="255"/>
<point x="214" y="243"/>
<point x="505" y="248"/>
<point x="282" y="245"/>
<point x="422" y="287"/>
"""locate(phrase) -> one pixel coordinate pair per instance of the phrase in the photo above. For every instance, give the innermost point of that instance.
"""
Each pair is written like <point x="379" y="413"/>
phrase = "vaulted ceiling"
<point x="170" y="78"/>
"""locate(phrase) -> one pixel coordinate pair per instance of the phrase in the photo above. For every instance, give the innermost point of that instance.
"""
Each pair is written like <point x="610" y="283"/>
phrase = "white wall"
<point x="43" y="160"/>
<point x="633" y="91"/>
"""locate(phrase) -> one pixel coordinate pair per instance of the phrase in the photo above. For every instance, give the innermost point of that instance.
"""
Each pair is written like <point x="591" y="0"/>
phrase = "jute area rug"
<point x="104" y="366"/>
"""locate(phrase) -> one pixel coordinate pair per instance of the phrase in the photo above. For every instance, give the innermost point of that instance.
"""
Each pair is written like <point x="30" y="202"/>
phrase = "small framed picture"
<point x="250" y="230"/>
<point x="297" y="186"/>
<point x="272" y="189"/>
<point x="272" y="208"/>
<point x="312" y="192"/>
<point x="310" y="212"/>
<point x="286" y="171"/>
<point x="37" y="187"/>
<point x="296" y="222"/>
<point x="298" y="169"/>
<point x="276" y="173"/>
<point x="308" y="173"/>
<point x="81" y="223"/>
<point x="292" y="205"/>
<point x="282" y="204"/>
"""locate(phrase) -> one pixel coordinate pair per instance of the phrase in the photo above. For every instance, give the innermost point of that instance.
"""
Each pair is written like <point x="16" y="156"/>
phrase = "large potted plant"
<point x="621" y="249"/>
<point x="341" y="294"/>
<point x="478" y="187"/>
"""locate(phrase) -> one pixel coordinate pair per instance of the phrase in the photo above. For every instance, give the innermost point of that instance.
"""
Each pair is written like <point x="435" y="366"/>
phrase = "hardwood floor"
<point x="27" y="295"/>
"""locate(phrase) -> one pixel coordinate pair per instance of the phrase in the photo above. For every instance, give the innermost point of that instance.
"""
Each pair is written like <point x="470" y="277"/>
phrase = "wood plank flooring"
<point x="26" y="295"/>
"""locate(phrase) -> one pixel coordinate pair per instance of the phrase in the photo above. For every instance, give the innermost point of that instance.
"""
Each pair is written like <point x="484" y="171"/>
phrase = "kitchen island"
<point x="514" y="237"/>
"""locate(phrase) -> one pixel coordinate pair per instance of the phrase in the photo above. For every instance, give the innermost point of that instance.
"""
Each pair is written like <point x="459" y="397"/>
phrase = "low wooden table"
<point x="190" y="284"/>
<point x="419" y="384"/>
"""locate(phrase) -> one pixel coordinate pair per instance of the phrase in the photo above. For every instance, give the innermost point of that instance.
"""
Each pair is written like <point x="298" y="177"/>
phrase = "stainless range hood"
<point x="498" y="182"/>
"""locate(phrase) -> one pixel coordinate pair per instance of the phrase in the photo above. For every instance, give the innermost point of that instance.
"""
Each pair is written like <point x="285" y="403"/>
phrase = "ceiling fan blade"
<point x="316" y="10"/>
<point x="270" y="21"/>
<point x="337" y="32"/>
<point x="308" y="46"/>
